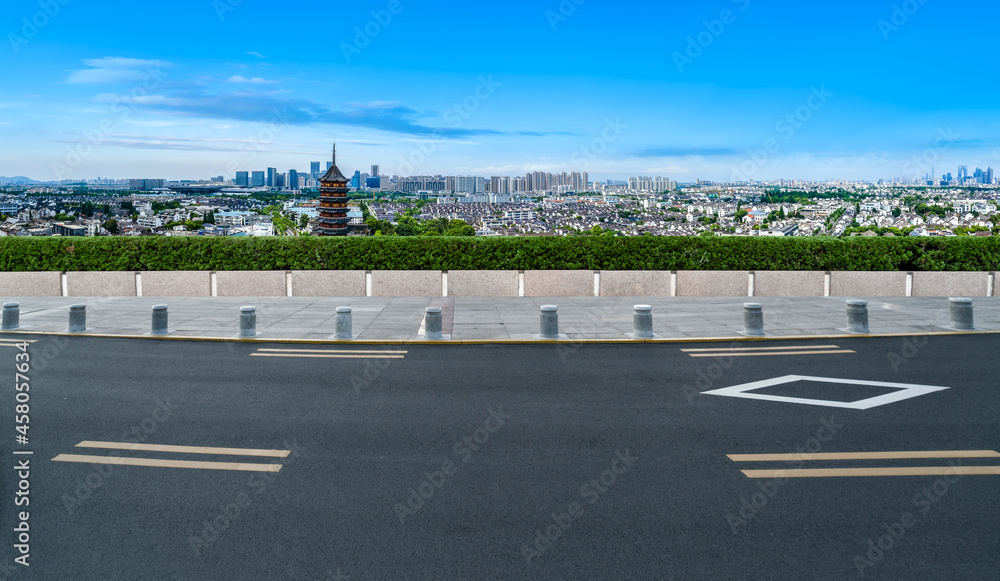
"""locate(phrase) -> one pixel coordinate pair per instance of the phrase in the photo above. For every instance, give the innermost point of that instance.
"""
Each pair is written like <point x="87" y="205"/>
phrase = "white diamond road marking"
<point x="904" y="391"/>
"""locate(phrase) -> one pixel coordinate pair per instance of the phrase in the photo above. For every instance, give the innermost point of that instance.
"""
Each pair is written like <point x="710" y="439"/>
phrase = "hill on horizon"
<point x="18" y="180"/>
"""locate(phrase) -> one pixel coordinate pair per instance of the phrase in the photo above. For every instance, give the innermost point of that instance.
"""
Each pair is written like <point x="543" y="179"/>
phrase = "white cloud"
<point x="250" y="81"/>
<point x="374" y="104"/>
<point x="137" y="100"/>
<point x="116" y="70"/>
<point x="256" y="54"/>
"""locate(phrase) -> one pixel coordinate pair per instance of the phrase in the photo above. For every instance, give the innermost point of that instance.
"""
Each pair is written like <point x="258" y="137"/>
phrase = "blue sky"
<point x="715" y="90"/>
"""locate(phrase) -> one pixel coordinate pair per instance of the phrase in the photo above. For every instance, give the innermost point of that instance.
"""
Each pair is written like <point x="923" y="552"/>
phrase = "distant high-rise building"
<point x="356" y="180"/>
<point x="375" y="173"/>
<point x="499" y="185"/>
<point x="279" y="181"/>
<point x="293" y="179"/>
<point x="257" y="179"/>
<point x="415" y="184"/>
<point x="271" y="172"/>
<point x="242" y="179"/>
<point x="314" y="168"/>
<point x="651" y="184"/>
<point x="989" y="175"/>
<point x="963" y="172"/>
<point x="145" y="184"/>
<point x="470" y="184"/>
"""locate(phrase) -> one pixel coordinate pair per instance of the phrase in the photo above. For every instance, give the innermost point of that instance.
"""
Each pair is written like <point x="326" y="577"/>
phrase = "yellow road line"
<point x="863" y="456"/>
<point x="380" y="352"/>
<point x="327" y="356"/>
<point x="184" y="449"/>
<point x="762" y="348"/>
<point x="158" y="463"/>
<point x="762" y="354"/>
<point x="856" y="472"/>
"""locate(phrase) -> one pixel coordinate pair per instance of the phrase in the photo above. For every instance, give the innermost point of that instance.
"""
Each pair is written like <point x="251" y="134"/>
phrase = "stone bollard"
<point x="550" y="322"/>
<point x="248" y="322"/>
<point x="432" y="323"/>
<point x="11" y="316"/>
<point x="642" y="321"/>
<point x="77" y="318"/>
<point x="857" y="317"/>
<point x="753" y="319"/>
<point x="961" y="314"/>
<point x="159" y="324"/>
<point x="344" y="326"/>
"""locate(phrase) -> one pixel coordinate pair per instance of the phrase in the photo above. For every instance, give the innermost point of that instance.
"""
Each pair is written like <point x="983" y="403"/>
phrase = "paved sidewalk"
<point x="499" y="319"/>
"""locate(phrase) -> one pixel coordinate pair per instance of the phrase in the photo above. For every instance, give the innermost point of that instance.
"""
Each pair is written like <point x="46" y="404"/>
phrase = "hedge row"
<point x="499" y="253"/>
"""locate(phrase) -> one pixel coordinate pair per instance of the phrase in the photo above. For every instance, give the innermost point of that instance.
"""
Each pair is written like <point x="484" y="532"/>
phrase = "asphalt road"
<point x="501" y="462"/>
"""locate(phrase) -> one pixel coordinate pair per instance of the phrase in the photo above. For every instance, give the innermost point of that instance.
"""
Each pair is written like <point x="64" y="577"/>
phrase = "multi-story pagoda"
<point x="333" y="201"/>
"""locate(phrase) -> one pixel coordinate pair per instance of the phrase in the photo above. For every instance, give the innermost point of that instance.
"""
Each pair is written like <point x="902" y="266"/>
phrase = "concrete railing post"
<point x="753" y="319"/>
<point x="432" y="323"/>
<point x="77" y="318"/>
<point x="642" y="321"/>
<point x="549" y="320"/>
<point x="159" y="322"/>
<point x="248" y="322"/>
<point x="961" y="314"/>
<point x="857" y="317"/>
<point x="11" y="316"/>
<point x="345" y="329"/>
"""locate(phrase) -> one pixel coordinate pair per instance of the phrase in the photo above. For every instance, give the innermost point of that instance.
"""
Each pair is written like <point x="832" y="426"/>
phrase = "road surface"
<point x="279" y="461"/>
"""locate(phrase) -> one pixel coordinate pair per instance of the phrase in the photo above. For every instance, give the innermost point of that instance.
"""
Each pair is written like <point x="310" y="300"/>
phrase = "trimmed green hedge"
<point x="500" y="253"/>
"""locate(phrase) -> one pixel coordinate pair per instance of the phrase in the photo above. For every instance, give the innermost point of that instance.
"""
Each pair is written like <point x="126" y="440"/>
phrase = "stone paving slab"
<point x="389" y="318"/>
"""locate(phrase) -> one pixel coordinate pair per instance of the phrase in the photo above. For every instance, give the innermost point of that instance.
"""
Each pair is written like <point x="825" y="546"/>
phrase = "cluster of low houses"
<point x="676" y="214"/>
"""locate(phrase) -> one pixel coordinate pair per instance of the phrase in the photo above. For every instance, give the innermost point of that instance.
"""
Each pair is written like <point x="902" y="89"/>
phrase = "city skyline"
<point x="715" y="94"/>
